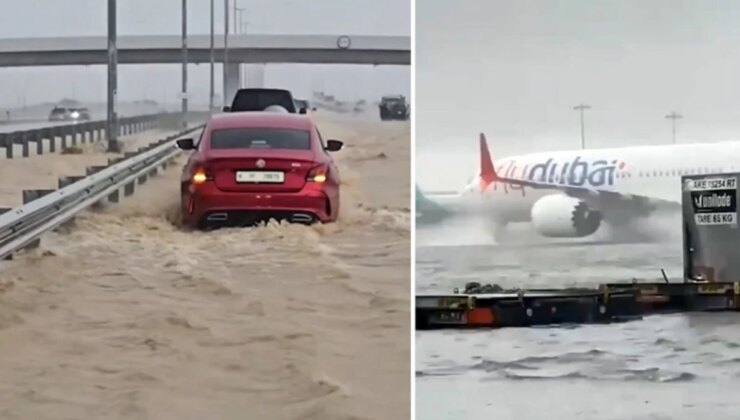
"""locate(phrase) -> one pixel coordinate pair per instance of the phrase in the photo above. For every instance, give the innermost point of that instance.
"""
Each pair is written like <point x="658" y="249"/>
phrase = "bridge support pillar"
<point x="233" y="77"/>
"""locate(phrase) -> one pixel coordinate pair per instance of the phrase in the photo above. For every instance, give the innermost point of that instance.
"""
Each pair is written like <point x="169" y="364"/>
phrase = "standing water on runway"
<point x="588" y="109"/>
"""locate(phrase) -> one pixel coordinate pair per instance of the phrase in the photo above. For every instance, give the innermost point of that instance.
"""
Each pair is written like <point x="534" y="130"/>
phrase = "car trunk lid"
<point x="260" y="170"/>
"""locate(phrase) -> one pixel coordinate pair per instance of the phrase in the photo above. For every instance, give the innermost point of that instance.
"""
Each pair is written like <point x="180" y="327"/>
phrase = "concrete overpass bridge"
<point x="163" y="49"/>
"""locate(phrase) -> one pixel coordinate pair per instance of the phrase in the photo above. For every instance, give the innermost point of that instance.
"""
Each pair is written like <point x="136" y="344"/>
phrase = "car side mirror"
<point x="185" y="144"/>
<point x="302" y="111"/>
<point x="227" y="109"/>
<point x="334" y="145"/>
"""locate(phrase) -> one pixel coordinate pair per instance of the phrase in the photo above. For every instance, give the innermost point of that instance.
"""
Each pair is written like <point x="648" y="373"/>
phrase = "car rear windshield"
<point x="260" y="138"/>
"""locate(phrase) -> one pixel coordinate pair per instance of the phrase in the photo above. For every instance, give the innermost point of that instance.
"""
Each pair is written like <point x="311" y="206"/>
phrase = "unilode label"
<point x="714" y="200"/>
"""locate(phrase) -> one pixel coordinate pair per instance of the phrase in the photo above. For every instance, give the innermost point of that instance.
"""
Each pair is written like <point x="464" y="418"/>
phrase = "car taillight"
<point x="201" y="175"/>
<point x="318" y="174"/>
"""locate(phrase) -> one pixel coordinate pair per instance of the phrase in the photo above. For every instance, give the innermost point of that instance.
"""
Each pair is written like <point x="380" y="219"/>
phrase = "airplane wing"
<point x="595" y="198"/>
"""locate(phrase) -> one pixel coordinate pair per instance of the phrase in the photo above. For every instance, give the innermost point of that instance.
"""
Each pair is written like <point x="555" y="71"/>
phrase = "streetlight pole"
<point x="235" y="24"/>
<point x="184" y="62"/>
<point x="581" y="108"/>
<point x="213" y="59"/>
<point x="111" y="126"/>
<point x="673" y="116"/>
<point x="226" y="50"/>
<point x="239" y="30"/>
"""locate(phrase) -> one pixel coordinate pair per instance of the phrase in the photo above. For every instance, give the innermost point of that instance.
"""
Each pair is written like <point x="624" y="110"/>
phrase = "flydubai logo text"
<point x="576" y="172"/>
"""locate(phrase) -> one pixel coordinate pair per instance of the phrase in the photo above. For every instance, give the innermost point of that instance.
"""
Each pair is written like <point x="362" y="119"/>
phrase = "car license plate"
<point x="260" y="176"/>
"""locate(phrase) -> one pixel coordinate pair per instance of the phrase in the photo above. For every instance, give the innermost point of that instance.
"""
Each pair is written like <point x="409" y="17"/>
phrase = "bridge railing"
<point x="64" y="136"/>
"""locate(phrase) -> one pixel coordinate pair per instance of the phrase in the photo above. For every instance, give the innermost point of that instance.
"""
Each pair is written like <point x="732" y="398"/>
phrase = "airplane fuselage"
<point x="647" y="171"/>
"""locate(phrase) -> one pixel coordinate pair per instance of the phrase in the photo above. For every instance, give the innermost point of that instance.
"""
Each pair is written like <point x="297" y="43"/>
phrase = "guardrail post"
<point x="7" y="144"/>
<point x="51" y="133"/>
<point x="19" y="137"/>
<point x="129" y="189"/>
<point x="94" y="169"/>
<point x="63" y="135"/>
<point x="114" y="196"/>
<point x="28" y="196"/>
<point x="39" y="141"/>
<point x="5" y="210"/>
<point x="74" y="131"/>
<point x="68" y="180"/>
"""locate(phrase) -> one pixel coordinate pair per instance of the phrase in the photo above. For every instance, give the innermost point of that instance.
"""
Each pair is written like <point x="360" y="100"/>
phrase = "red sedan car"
<point x="249" y="167"/>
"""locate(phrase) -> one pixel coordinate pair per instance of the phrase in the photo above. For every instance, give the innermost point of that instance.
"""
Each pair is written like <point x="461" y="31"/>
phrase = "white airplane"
<point x="572" y="193"/>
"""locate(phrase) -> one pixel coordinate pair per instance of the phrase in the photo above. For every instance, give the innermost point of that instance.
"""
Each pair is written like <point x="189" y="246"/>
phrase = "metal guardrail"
<point x="74" y="131"/>
<point x="23" y="226"/>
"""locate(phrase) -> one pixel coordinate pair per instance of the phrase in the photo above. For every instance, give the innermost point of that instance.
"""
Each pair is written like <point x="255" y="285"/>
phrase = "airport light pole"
<point x="213" y="59"/>
<point x="111" y="126"/>
<point x="581" y="108"/>
<point x="673" y="116"/>
<point x="184" y="62"/>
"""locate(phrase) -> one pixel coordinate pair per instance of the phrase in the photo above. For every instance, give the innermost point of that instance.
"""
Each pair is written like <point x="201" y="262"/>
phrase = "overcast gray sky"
<point x="50" y="18"/>
<point x="515" y="69"/>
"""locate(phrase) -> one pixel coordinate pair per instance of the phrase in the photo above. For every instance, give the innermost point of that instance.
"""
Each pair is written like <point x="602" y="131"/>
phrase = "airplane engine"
<point x="560" y="216"/>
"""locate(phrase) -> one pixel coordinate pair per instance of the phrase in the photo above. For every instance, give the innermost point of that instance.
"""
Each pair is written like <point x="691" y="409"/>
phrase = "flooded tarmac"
<point x="661" y="367"/>
<point x="127" y="315"/>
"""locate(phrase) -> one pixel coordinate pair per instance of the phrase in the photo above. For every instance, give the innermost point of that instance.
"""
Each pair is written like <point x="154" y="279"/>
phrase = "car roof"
<point x="260" y="119"/>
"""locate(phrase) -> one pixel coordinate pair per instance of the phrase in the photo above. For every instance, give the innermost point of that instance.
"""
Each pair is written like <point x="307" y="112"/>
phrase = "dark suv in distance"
<point x="394" y="107"/>
<point x="259" y="99"/>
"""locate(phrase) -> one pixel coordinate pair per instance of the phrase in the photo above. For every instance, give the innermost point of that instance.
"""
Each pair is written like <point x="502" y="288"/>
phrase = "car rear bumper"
<point x="212" y="207"/>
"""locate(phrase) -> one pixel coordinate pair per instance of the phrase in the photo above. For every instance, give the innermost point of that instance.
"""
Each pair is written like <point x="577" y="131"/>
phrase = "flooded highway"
<point x="43" y="171"/>
<point x="126" y="315"/>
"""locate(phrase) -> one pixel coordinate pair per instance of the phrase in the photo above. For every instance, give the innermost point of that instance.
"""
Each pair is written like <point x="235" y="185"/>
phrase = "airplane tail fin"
<point x="420" y="196"/>
<point x="487" y="171"/>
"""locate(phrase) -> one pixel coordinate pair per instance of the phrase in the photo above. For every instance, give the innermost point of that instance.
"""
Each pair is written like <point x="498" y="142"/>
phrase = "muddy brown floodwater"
<point x="125" y="315"/>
